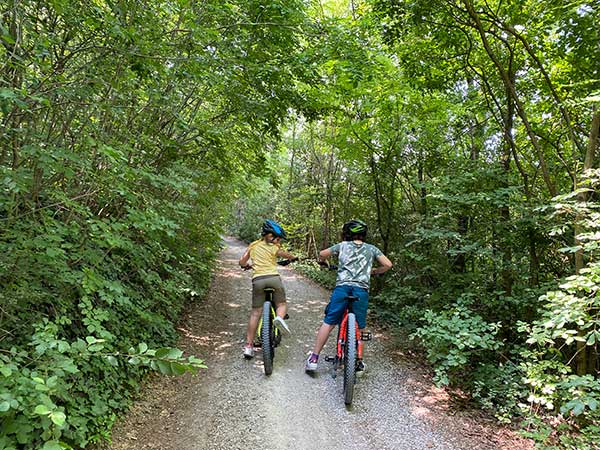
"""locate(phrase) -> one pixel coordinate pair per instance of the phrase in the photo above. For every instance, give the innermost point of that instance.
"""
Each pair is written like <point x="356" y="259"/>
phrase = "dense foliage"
<point x="466" y="134"/>
<point x="127" y="128"/>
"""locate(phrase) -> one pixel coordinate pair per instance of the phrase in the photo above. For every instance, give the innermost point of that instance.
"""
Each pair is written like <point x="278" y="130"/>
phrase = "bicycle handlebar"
<point x="326" y="265"/>
<point x="285" y="262"/>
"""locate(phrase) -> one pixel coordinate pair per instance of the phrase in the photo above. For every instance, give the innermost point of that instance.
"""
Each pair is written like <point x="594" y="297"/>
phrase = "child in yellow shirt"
<point x="264" y="253"/>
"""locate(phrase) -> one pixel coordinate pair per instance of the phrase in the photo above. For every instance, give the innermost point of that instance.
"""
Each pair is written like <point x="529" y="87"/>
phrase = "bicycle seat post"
<point x="351" y="299"/>
<point x="269" y="291"/>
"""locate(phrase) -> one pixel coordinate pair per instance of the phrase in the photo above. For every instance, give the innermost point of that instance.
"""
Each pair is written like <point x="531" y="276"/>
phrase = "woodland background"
<point x="134" y="133"/>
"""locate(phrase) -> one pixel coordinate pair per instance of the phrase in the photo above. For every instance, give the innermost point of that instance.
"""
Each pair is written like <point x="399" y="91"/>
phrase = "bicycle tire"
<point x="350" y="359"/>
<point x="267" y="338"/>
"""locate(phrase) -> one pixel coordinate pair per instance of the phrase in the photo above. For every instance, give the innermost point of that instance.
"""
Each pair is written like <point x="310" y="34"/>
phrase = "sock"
<point x="313" y="357"/>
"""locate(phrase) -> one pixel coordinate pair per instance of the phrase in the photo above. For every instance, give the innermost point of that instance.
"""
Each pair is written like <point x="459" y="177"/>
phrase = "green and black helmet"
<point x="354" y="229"/>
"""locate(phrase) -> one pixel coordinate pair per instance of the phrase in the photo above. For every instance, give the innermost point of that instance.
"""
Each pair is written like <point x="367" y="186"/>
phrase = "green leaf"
<point x="53" y="445"/>
<point x="578" y="408"/>
<point x="63" y="346"/>
<point x="7" y="93"/>
<point x="179" y="369"/>
<point x="168" y="353"/>
<point x="164" y="367"/>
<point x="95" y="347"/>
<point x="41" y="410"/>
<point x="53" y="252"/>
<point x="112" y="361"/>
<point x="4" y="406"/>
<point x="58" y="418"/>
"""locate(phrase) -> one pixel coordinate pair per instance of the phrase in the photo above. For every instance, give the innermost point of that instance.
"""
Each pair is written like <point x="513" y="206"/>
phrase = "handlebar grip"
<point x="327" y="266"/>
<point x="285" y="262"/>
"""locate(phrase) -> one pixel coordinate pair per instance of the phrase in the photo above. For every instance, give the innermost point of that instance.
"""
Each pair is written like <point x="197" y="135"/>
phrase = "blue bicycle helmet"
<point x="270" y="226"/>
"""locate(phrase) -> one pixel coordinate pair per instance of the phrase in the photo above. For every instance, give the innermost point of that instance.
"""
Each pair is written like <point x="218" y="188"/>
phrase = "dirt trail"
<point x="233" y="405"/>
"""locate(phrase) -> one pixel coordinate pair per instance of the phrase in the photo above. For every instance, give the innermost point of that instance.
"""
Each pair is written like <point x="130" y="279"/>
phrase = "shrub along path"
<point x="233" y="405"/>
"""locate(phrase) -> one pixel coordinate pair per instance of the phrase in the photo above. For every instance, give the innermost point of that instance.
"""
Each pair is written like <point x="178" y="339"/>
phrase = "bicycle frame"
<point x="341" y="341"/>
<point x="268" y="336"/>
<point x="276" y="332"/>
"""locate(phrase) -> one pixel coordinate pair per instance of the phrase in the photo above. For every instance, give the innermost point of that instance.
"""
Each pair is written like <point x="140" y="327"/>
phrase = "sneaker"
<point x="360" y="367"/>
<point x="311" y="362"/>
<point x="281" y="325"/>
<point x="248" y="352"/>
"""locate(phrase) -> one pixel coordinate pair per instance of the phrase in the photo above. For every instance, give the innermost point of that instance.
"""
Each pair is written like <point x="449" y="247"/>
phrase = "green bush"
<point x="92" y="306"/>
<point x="498" y="387"/>
<point x="455" y="341"/>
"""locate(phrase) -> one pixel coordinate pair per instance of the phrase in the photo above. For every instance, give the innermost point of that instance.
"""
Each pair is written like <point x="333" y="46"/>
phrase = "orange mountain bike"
<point x="349" y="349"/>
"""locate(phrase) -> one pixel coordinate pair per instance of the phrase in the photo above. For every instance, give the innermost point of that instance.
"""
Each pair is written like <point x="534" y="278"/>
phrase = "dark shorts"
<point x="334" y="311"/>
<point x="260" y="283"/>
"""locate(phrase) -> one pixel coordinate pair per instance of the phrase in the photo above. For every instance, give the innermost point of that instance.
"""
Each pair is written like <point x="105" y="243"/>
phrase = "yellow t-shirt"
<point x="264" y="258"/>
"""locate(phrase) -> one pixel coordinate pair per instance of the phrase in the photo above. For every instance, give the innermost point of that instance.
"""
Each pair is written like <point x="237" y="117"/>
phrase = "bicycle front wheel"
<point x="350" y="359"/>
<point x="267" y="338"/>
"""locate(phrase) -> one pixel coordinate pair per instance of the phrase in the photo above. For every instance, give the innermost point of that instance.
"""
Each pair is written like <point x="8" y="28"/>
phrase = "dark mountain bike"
<point x="268" y="336"/>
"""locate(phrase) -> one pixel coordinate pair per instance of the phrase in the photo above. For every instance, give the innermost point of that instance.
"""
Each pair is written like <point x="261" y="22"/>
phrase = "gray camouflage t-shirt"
<point x="354" y="262"/>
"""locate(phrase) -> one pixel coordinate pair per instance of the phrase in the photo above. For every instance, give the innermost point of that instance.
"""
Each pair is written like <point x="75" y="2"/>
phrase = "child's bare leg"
<point x="322" y="336"/>
<point x="252" y="325"/>
<point x="281" y="309"/>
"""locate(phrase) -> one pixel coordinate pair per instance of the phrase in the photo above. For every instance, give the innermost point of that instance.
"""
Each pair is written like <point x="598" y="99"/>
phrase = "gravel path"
<point x="233" y="405"/>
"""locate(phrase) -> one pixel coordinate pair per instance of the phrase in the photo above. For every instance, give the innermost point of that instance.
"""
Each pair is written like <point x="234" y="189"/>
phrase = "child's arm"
<point x="245" y="258"/>
<point x="283" y="254"/>
<point x="324" y="254"/>
<point x="385" y="265"/>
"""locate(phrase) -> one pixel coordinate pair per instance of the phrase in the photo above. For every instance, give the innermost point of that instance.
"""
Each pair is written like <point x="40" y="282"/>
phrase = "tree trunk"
<point x="14" y="74"/>
<point x="422" y="188"/>
<point x="329" y="186"/>
<point x="459" y="264"/>
<point x="506" y="251"/>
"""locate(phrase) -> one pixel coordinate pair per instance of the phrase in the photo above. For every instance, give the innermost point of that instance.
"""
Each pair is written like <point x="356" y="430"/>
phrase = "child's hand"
<point x="285" y="262"/>
<point x="326" y="265"/>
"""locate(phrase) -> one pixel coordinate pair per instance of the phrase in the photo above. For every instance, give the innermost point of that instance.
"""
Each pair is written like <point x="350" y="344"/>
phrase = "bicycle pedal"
<point x="330" y="358"/>
<point x="366" y="336"/>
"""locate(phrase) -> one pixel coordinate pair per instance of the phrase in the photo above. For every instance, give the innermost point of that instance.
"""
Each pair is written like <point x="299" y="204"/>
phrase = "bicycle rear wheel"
<point x="350" y="359"/>
<point x="267" y="338"/>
